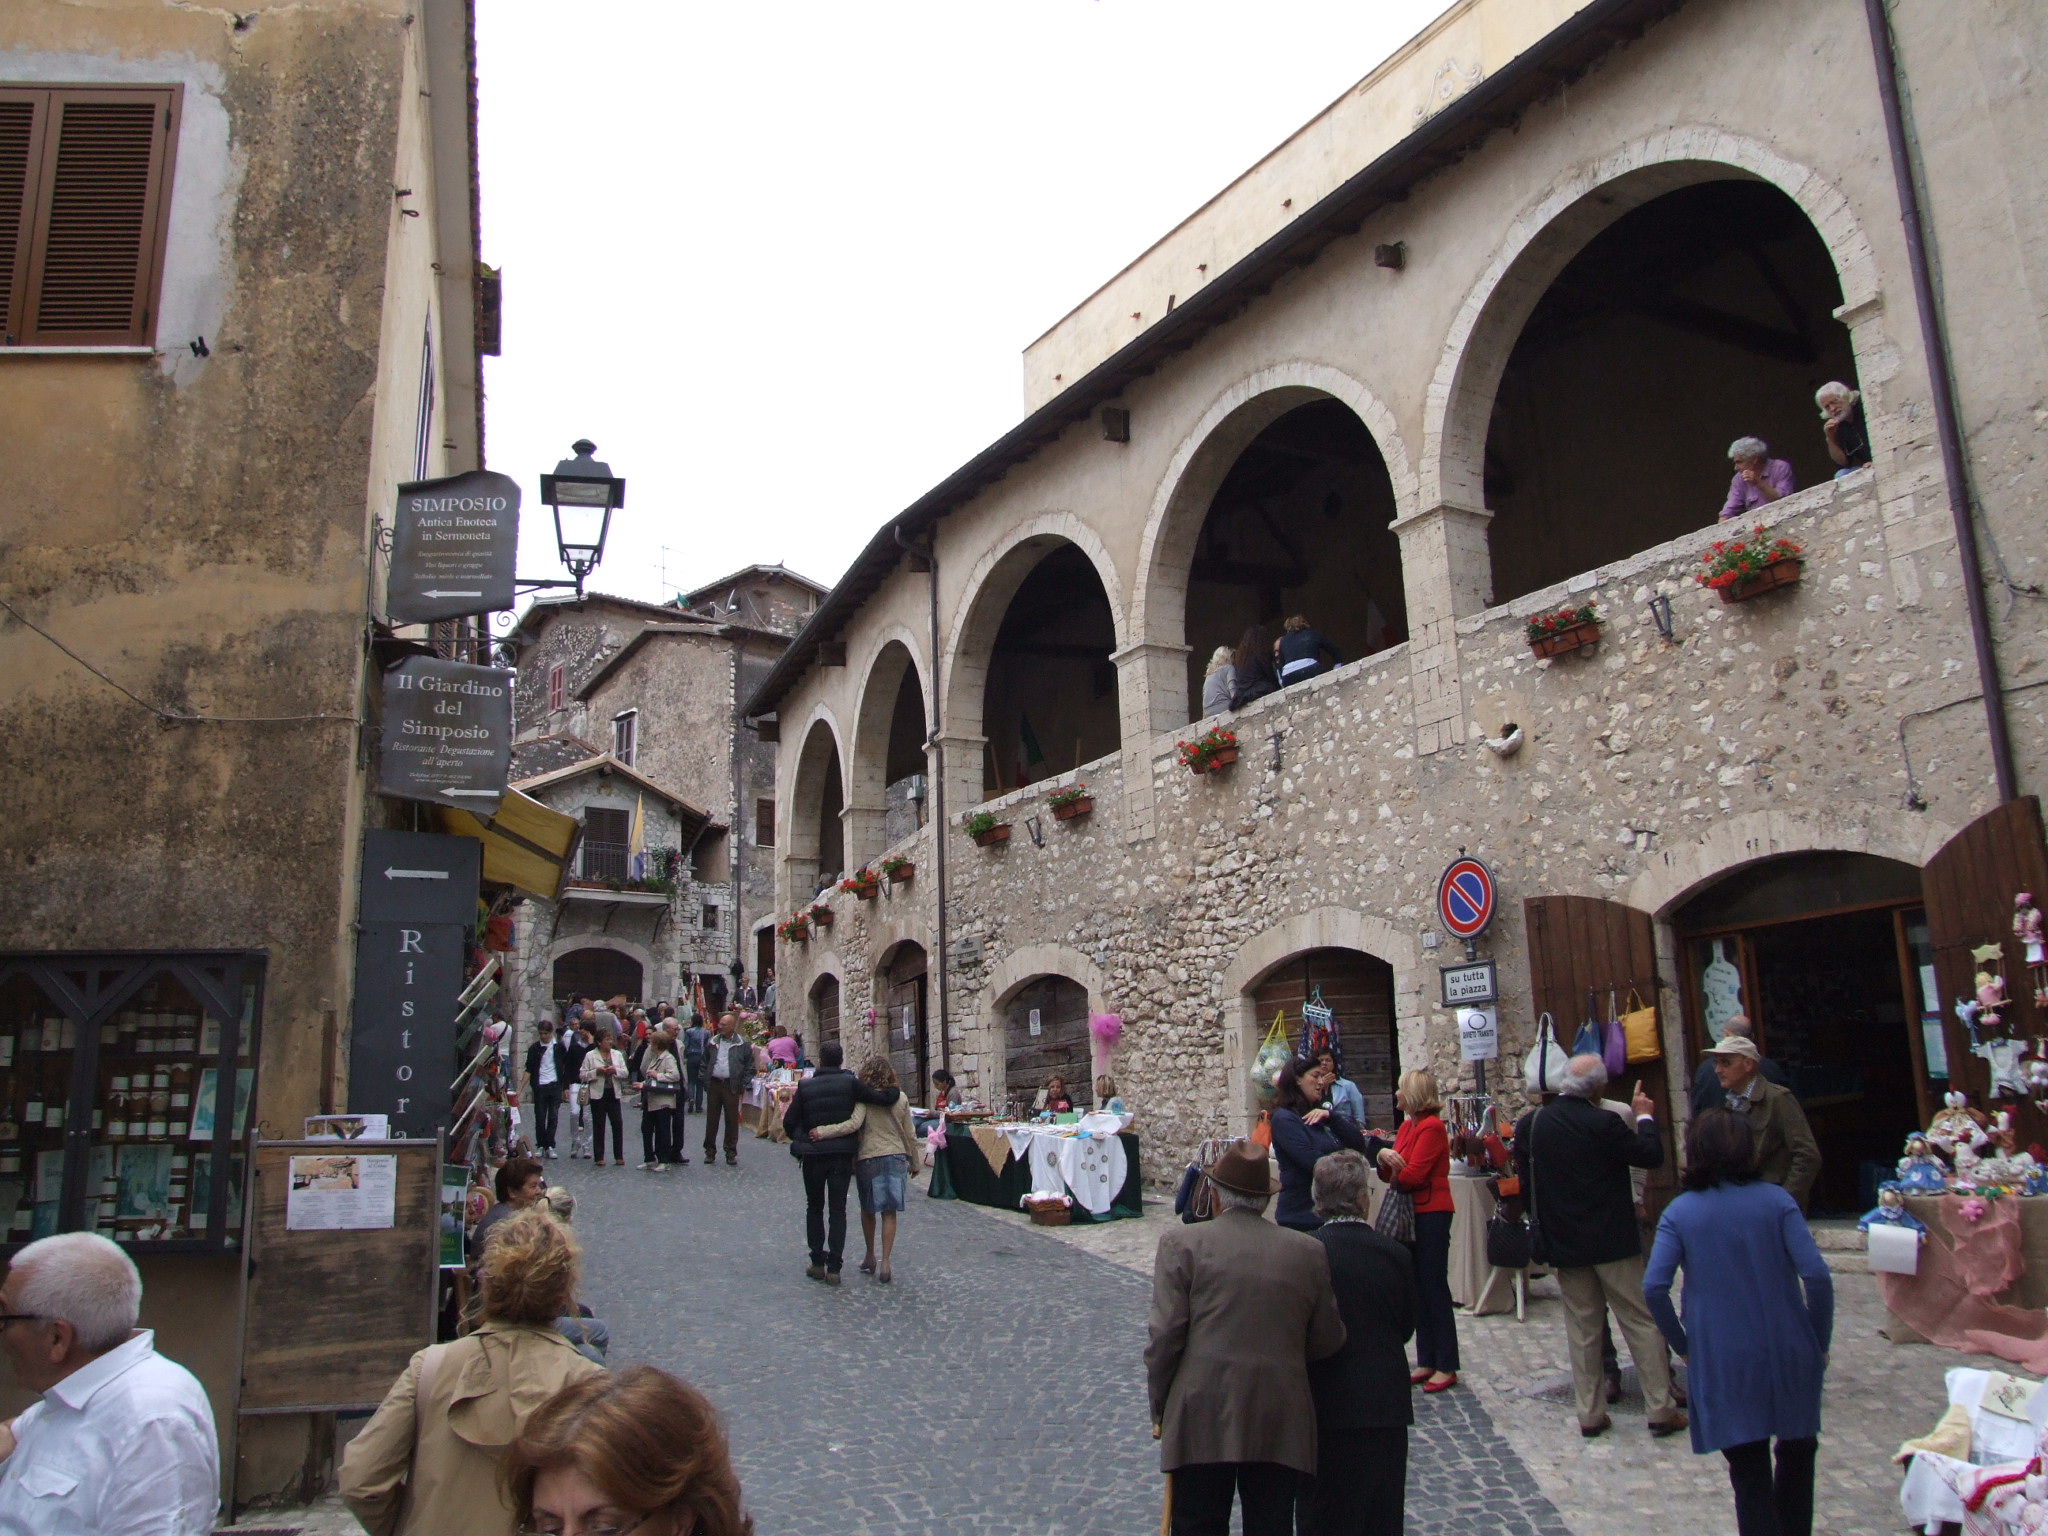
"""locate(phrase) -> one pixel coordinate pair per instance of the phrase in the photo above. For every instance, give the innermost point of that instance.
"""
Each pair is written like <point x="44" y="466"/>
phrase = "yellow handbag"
<point x="1639" y="1028"/>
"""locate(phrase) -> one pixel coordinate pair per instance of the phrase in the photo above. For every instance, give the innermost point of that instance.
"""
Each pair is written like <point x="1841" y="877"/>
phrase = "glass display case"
<point x="126" y="1094"/>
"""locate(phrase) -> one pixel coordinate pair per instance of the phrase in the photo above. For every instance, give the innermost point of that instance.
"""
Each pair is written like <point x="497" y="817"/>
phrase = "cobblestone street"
<point x="996" y="1385"/>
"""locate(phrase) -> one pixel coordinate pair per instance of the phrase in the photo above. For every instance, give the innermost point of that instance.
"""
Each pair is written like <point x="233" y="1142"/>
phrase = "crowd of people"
<point x="1277" y="1363"/>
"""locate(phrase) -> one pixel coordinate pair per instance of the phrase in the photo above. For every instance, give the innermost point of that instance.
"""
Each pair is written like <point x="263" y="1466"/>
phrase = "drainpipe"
<point x="1947" y="425"/>
<point x="930" y="554"/>
<point x="737" y="838"/>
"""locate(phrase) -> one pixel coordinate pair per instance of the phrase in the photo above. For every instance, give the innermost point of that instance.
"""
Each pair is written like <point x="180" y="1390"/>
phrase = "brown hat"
<point x="1243" y="1169"/>
<point x="1735" y="1045"/>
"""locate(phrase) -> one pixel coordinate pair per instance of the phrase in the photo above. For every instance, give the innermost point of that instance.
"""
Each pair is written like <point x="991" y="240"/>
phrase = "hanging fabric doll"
<point x="2029" y="929"/>
<point x="1991" y="999"/>
<point x="1957" y="1126"/>
<point x="1890" y="1211"/>
<point x="1920" y="1170"/>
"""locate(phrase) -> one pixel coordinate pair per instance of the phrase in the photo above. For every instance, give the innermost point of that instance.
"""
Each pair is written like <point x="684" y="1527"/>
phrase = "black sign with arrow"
<point x="447" y="734"/>
<point x="453" y="547"/>
<point x="420" y="877"/>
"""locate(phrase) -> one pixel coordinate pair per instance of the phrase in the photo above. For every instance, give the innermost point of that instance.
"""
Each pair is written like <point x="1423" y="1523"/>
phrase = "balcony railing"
<point x="604" y="861"/>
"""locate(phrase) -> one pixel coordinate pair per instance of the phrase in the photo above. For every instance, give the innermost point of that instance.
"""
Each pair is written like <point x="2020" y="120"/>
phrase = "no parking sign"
<point x="1465" y="898"/>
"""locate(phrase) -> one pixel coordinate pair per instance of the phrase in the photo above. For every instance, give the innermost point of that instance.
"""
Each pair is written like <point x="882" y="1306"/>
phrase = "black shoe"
<point x="1594" y="1431"/>
<point x="1614" y="1386"/>
<point x="681" y="1161"/>
<point x="732" y="1162"/>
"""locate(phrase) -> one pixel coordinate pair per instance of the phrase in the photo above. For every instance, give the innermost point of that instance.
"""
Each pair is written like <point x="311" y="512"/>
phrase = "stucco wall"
<point x="1770" y="726"/>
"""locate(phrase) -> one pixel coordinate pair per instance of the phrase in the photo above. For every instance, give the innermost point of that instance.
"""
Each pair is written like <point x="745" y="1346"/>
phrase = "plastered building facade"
<point x="1538" y="239"/>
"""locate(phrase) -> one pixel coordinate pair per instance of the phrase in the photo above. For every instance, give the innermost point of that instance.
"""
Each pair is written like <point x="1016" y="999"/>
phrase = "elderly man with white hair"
<point x="1759" y="478"/>
<point x="1575" y="1158"/>
<point x="122" y="1442"/>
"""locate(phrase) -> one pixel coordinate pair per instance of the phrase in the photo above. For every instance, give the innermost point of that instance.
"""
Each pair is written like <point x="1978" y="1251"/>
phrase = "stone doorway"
<point x="597" y="973"/>
<point x="1045" y="1035"/>
<point x="1359" y="990"/>
<point x="907" y="1044"/>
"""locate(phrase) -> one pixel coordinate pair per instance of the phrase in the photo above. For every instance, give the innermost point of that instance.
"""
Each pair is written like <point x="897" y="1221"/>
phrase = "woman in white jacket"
<point x="605" y="1075"/>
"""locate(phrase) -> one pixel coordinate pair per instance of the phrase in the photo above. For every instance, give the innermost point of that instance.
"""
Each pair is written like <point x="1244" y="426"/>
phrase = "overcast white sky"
<point x="780" y="261"/>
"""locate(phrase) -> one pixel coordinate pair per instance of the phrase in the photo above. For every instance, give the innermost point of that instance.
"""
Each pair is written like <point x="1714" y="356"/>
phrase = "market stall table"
<point x="1475" y="1284"/>
<point x="1981" y="1285"/>
<point x="964" y="1169"/>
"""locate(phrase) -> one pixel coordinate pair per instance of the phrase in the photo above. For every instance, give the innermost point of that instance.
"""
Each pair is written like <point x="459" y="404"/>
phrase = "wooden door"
<point x="906" y="1020"/>
<point x="1581" y="944"/>
<point x="1359" y="990"/>
<point x="825" y="1010"/>
<point x="1969" y="887"/>
<point x="1045" y="1036"/>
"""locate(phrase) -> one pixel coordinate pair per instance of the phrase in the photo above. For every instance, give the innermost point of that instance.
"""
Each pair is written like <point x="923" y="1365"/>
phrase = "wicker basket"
<point x="1048" y="1213"/>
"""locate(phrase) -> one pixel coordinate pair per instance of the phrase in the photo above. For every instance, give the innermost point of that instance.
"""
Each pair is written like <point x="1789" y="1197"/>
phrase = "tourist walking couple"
<point x="846" y="1129"/>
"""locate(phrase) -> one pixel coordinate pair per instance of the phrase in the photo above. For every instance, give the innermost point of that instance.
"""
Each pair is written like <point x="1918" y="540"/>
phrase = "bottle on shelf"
<point x="160" y="1103"/>
<point x="182" y="1074"/>
<point x="117" y="1107"/>
<point x="32" y="1111"/>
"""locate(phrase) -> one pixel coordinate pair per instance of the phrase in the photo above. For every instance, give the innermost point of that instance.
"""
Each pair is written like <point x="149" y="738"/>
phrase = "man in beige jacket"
<point x="1239" y="1308"/>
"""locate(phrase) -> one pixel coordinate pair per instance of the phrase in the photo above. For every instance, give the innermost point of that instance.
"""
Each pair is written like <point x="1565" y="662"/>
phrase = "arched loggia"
<point x="816" y="838"/>
<point x="888" y="789"/>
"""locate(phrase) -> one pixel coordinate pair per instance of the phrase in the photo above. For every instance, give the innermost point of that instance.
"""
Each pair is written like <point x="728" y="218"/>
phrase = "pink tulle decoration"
<point x="1106" y="1027"/>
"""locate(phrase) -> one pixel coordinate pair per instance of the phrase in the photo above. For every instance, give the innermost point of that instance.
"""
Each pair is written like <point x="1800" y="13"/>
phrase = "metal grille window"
<point x="626" y="736"/>
<point x="604" y="844"/>
<point x="85" y="176"/>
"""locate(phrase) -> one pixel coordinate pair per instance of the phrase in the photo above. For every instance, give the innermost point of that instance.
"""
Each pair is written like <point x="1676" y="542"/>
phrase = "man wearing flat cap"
<point x="1786" y="1153"/>
<point x="1239" y="1308"/>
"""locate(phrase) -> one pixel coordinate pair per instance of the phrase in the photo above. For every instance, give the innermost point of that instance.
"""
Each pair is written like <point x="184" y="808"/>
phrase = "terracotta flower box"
<point x="1566" y="641"/>
<point x="867" y="892"/>
<point x="1073" y="808"/>
<point x="988" y="839"/>
<point x="822" y="916"/>
<point x="1215" y="762"/>
<point x="903" y="872"/>
<point x="1779" y="573"/>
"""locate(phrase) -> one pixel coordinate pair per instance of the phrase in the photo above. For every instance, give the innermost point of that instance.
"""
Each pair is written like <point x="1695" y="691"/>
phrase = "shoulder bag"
<point x="1538" y="1253"/>
<point x="1396" y="1215"/>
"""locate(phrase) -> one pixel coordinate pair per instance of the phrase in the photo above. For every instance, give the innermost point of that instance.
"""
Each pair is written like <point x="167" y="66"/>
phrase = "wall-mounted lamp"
<point x="1393" y="257"/>
<point x="1116" y="424"/>
<point x="1037" y="831"/>
<point x="1660" y="613"/>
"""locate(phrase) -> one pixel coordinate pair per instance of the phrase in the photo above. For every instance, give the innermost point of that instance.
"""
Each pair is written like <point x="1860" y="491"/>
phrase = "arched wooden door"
<point x="825" y="1011"/>
<point x="907" y="1045"/>
<point x="598" y="973"/>
<point x="1359" y="990"/>
<point x="1045" y="1032"/>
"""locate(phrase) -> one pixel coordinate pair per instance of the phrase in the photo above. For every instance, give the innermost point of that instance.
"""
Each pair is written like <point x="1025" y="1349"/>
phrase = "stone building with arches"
<point x="1469" y="349"/>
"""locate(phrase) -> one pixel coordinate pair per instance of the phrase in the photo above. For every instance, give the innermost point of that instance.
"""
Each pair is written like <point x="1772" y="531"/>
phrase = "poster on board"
<point x="342" y="1191"/>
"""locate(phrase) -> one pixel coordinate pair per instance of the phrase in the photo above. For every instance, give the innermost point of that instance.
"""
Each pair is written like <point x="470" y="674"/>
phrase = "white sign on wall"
<point x="1037" y="1027"/>
<point x="1478" y="1034"/>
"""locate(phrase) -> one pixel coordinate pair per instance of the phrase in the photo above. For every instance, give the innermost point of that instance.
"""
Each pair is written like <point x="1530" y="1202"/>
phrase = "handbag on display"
<point x="1614" y="1050"/>
<point x="1590" y="1041"/>
<point x="1639" y="1029"/>
<point x="1543" y="1069"/>
<point x="1396" y="1217"/>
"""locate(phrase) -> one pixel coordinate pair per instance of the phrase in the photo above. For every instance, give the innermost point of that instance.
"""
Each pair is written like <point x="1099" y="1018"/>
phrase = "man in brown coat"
<point x="1786" y="1153"/>
<point x="1239" y="1308"/>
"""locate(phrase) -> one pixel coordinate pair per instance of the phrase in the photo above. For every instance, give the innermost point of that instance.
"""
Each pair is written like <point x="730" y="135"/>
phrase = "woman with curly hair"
<point x="636" y="1450"/>
<point x="427" y="1462"/>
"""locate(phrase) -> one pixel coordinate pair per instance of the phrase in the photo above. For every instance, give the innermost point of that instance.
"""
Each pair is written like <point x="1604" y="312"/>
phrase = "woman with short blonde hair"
<point x="427" y="1462"/>
<point x="636" y="1450"/>
<point x="1219" y="680"/>
<point x="1420" y="1163"/>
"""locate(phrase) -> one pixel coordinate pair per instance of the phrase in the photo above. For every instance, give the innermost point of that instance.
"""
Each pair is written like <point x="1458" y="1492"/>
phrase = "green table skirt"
<point x="962" y="1173"/>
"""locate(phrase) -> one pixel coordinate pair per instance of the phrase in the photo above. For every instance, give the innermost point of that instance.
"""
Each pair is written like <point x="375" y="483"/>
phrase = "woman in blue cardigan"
<point x="1304" y="1133"/>
<point x="1755" y="1347"/>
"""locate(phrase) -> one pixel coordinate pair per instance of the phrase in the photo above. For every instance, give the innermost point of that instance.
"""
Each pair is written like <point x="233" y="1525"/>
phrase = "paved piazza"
<point x="996" y="1386"/>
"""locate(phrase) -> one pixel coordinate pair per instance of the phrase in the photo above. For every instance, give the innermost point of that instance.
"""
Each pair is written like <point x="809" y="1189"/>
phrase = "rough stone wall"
<point x="682" y="686"/>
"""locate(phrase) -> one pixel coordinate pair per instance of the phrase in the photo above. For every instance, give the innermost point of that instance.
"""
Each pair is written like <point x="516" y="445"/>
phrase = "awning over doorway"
<point x="526" y="845"/>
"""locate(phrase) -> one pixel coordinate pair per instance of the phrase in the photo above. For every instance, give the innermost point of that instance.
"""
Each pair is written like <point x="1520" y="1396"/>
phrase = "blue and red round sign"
<point x="1464" y="898"/>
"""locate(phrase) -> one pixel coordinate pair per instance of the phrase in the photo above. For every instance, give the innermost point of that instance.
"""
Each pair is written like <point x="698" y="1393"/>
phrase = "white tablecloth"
<point x="1092" y="1169"/>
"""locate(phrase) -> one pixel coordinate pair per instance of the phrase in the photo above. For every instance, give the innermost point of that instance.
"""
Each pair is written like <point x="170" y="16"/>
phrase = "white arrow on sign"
<point x="491" y="793"/>
<point x="415" y="874"/>
<point x="451" y="594"/>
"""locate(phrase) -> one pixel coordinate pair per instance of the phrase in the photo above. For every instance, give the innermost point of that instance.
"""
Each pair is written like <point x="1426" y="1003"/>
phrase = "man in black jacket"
<point x="1364" y="1403"/>
<point x="547" y="1074"/>
<point x="1575" y="1158"/>
<point x="826" y="1098"/>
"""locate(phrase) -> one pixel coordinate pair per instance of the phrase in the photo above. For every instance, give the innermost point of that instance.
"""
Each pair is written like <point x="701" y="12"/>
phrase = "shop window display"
<point x="126" y="1088"/>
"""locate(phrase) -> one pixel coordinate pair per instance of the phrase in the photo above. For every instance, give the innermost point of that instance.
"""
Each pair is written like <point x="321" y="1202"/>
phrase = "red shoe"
<point x="1417" y="1378"/>
<point x="1445" y="1385"/>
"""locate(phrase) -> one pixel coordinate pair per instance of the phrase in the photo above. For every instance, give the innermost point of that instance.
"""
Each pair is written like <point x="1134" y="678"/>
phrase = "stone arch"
<point x="1319" y="928"/>
<point x="1674" y="874"/>
<point x="1017" y="970"/>
<point x="807" y="798"/>
<point x="569" y="943"/>
<point x="893" y="657"/>
<point x="824" y="966"/>
<point x="984" y="601"/>
<point x="1558" y="223"/>
<point x="1205" y="455"/>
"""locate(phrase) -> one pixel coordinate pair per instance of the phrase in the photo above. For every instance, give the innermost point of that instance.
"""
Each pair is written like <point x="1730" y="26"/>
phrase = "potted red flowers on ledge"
<point x="1215" y="751"/>
<point x="863" y="883"/>
<point x="898" y="868"/>
<point x="1742" y="568"/>
<point x="796" y="931"/>
<point x="1565" y="631"/>
<point x="986" y="831"/>
<point x="820" y="915"/>
<point x="1066" y="804"/>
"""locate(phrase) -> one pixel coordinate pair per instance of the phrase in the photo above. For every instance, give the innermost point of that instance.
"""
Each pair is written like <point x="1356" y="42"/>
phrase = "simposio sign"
<point x="454" y="546"/>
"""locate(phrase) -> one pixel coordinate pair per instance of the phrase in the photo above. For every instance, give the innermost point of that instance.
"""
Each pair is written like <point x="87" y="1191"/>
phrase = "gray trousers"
<point x="1588" y="1294"/>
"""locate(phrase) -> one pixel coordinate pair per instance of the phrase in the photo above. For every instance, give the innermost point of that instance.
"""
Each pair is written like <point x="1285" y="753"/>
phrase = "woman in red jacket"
<point x="1420" y="1163"/>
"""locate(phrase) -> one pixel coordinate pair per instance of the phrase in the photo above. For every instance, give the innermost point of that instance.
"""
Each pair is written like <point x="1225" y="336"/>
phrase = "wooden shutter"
<point x="1968" y="887"/>
<point x="1579" y="944"/>
<point x="21" y="159"/>
<point x="97" y="214"/>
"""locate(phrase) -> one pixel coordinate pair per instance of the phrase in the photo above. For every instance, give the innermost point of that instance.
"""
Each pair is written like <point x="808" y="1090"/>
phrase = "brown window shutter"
<point x="96" y="253"/>
<point x="21" y="123"/>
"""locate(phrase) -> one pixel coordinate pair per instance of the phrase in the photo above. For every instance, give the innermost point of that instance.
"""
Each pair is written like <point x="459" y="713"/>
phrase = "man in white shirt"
<point x="122" y="1443"/>
<point x="728" y="1069"/>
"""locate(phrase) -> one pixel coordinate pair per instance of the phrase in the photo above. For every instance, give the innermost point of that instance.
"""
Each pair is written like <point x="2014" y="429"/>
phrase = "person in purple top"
<point x="1759" y="478"/>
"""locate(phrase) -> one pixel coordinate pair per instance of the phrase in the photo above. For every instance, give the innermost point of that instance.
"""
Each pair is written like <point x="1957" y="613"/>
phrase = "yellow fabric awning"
<point x="526" y="844"/>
